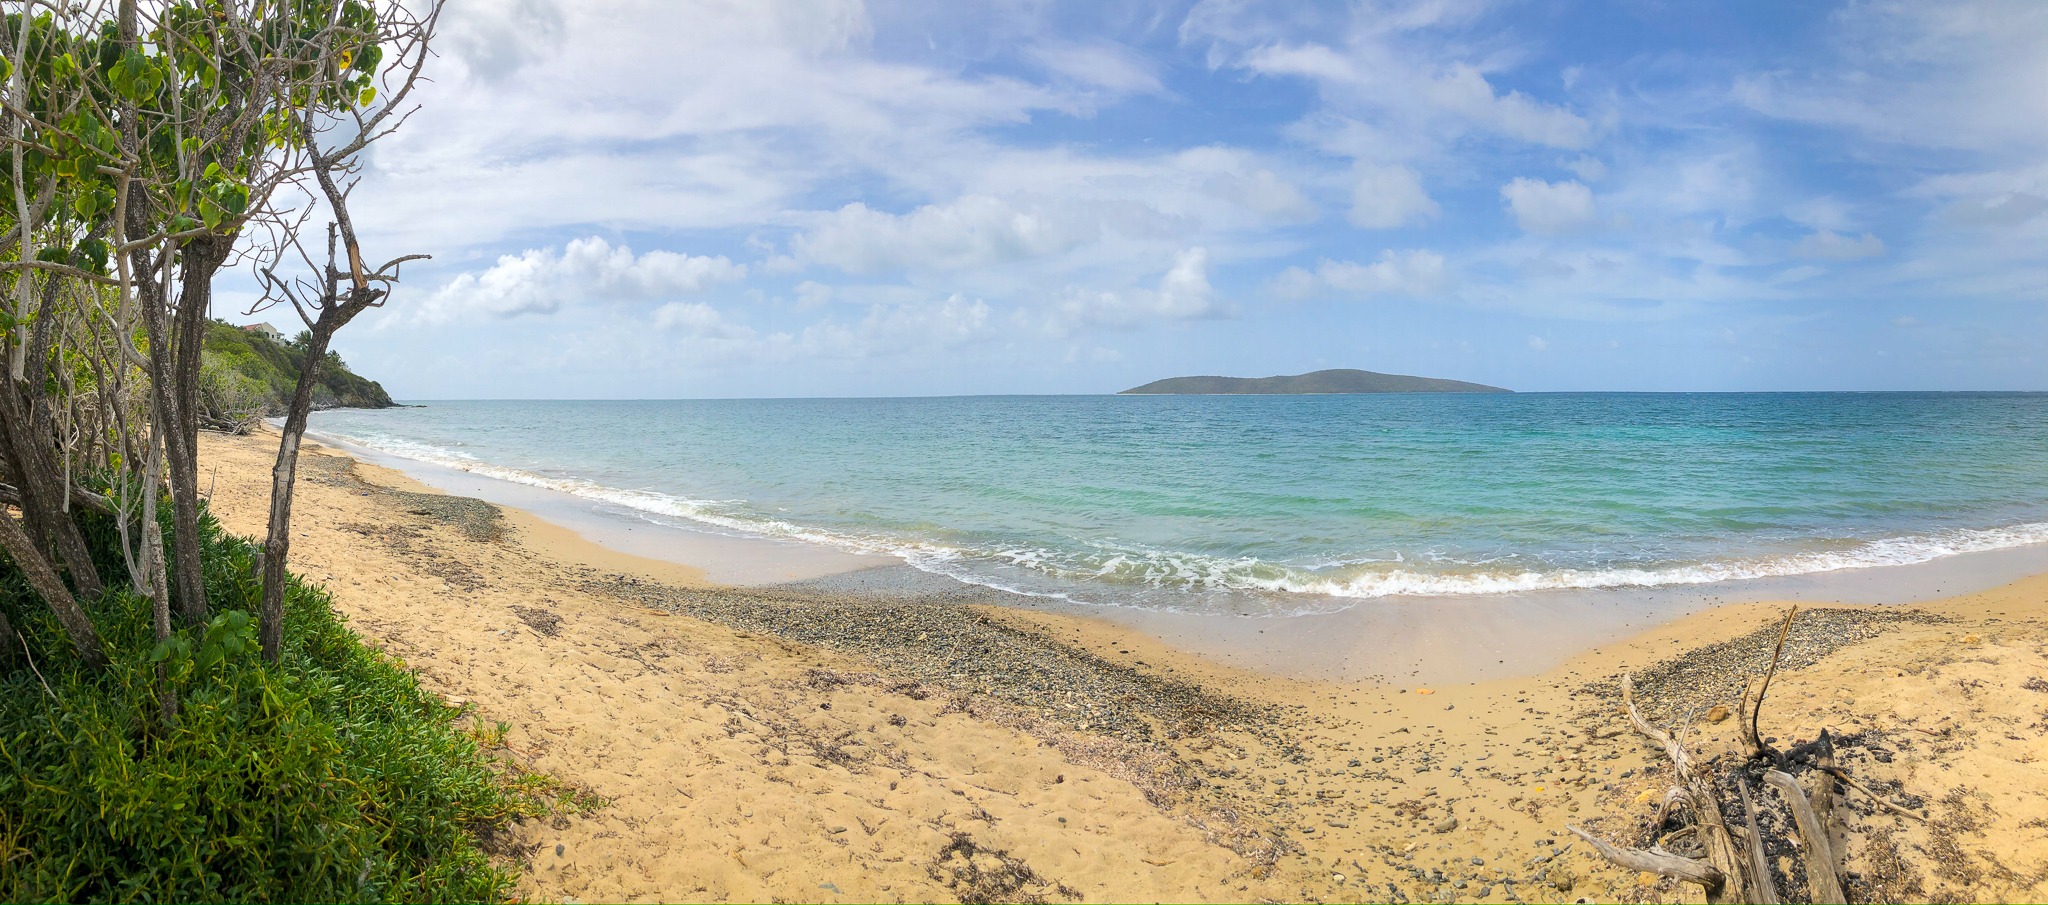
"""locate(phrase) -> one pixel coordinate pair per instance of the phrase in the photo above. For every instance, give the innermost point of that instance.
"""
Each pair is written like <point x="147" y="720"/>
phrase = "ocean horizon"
<point x="1288" y="504"/>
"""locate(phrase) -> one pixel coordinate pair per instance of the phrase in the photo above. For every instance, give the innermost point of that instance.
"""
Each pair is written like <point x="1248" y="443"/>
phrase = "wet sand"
<point x="817" y="743"/>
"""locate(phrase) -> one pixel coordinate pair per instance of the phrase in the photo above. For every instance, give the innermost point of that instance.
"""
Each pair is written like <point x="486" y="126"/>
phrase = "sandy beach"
<point x="805" y="744"/>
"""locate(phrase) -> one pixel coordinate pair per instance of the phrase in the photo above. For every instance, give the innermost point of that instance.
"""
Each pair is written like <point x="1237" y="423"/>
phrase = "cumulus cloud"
<point x="1183" y="293"/>
<point x="1385" y="197"/>
<point x="542" y="280"/>
<point x="1265" y="193"/>
<point x="1828" y="245"/>
<point x="811" y="294"/>
<point x="1548" y="208"/>
<point x="1416" y="272"/>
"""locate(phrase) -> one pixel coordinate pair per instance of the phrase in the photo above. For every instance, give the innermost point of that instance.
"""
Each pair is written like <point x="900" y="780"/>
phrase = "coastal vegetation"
<point x="329" y="775"/>
<point x="245" y="375"/>
<point x="1333" y="381"/>
<point x="183" y="718"/>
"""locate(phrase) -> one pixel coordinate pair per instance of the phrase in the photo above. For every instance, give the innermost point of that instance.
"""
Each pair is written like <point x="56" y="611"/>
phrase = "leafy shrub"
<point x="228" y="397"/>
<point x="329" y="776"/>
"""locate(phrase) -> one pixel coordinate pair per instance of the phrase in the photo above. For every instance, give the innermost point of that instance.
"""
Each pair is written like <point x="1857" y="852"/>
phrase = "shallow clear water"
<point x="1292" y="503"/>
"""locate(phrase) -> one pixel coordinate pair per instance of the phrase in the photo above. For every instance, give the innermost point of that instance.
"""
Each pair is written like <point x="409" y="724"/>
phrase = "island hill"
<point x="1335" y="381"/>
<point x="246" y="373"/>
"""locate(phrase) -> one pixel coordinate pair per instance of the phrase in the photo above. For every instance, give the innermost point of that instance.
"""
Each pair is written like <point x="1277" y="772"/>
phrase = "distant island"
<point x="1336" y="380"/>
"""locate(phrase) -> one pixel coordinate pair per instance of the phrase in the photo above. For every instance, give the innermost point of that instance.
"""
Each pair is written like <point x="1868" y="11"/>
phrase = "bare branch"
<point x="1664" y="864"/>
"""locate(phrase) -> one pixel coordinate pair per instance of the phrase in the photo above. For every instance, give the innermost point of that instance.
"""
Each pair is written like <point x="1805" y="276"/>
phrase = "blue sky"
<point x="819" y="198"/>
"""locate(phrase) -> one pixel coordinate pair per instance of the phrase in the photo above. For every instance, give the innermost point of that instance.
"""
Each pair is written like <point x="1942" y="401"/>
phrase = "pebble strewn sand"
<point x="808" y="746"/>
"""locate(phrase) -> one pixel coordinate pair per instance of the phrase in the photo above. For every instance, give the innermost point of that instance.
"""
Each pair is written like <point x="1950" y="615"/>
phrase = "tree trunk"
<point x="10" y="646"/>
<point x="277" y="545"/>
<point x="197" y="263"/>
<point x="51" y="588"/>
<point x="31" y="457"/>
<point x="180" y="457"/>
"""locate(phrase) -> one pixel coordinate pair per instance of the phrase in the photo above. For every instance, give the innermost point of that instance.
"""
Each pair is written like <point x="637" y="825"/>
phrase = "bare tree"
<point x="343" y="286"/>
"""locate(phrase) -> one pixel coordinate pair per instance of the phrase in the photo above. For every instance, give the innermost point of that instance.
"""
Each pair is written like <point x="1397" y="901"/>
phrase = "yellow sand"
<point x="734" y="770"/>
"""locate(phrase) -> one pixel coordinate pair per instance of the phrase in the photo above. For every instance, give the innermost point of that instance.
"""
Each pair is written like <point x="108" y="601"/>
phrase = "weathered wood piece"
<point x="1690" y="870"/>
<point x="1766" y="891"/>
<point x="1821" y="883"/>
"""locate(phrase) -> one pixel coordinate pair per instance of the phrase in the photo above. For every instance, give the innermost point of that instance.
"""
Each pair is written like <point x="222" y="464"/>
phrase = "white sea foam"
<point x="1158" y="569"/>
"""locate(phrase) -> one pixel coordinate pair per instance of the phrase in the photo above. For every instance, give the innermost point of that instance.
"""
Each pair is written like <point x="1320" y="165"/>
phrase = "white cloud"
<point x="812" y="295"/>
<point x="973" y="231"/>
<point x="1548" y="208"/>
<point x="1385" y="197"/>
<point x="1826" y="244"/>
<point x="699" y="320"/>
<point x="1416" y="272"/>
<point x="1450" y="98"/>
<point x="1265" y="193"/>
<point x="1538" y="343"/>
<point x="1100" y="64"/>
<point x="554" y="114"/>
<point x="1824" y="212"/>
<point x="1971" y="75"/>
<point x="891" y="329"/>
<point x="1587" y="168"/>
<point x="541" y="280"/>
<point x="1996" y="210"/>
<point x="1183" y="293"/>
<point x="491" y="47"/>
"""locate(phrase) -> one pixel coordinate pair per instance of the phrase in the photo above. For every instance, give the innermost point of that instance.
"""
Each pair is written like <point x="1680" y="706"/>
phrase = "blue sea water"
<point x="1291" y="503"/>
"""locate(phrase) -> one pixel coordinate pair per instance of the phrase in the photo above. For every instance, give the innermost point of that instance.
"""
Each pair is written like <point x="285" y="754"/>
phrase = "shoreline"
<point x="1431" y="640"/>
<point x="811" y="744"/>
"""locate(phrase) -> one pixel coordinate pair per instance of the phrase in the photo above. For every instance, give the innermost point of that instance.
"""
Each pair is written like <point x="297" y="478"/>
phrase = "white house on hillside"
<point x="266" y="331"/>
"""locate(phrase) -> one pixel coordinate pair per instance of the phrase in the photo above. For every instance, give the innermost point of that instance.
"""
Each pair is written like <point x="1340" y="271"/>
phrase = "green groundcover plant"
<point x="327" y="776"/>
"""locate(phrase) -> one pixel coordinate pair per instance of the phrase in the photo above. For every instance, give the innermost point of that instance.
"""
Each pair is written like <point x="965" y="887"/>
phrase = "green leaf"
<point x="92" y="254"/>
<point x="131" y="76"/>
<point x="368" y="97"/>
<point x="6" y="69"/>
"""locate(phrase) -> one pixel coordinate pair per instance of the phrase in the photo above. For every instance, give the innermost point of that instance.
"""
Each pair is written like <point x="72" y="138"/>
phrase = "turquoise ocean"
<point x="1289" y="504"/>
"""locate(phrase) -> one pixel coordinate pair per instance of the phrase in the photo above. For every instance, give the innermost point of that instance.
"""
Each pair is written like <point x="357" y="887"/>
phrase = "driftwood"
<point x="1751" y="711"/>
<point x="1734" y="863"/>
<point x="1820" y="858"/>
<point x="1870" y="793"/>
<point x="1766" y="891"/>
<point x="1726" y="872"/>
<point x="1691" y="870"/>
